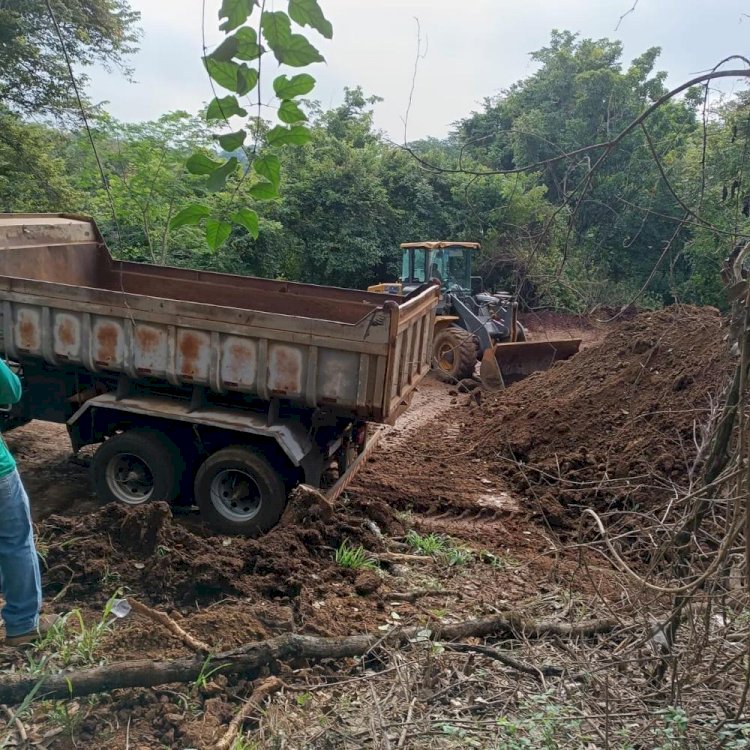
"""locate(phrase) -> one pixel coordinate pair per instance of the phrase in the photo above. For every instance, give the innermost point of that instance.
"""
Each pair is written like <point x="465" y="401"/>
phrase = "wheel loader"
<point x="473" y="324"/>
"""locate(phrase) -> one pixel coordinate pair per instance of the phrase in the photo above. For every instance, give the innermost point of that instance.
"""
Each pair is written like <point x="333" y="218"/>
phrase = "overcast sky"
<point x="475" y="48"/>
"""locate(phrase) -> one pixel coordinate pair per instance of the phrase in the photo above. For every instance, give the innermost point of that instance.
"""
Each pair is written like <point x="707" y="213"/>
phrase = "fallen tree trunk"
<point x="249" y="659"/>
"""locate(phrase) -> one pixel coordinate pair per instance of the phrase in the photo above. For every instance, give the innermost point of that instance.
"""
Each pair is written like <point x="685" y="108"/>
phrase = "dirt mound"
<point x="615" y="425"/>
<point x="147" y="551"/>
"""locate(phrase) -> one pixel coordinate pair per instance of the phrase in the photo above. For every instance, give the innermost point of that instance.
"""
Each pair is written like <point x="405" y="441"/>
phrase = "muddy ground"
<point x="498" y="480"/>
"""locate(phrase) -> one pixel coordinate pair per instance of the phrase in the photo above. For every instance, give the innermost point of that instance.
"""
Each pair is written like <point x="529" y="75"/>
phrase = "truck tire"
<point x="454" y="354"/>
<point x="135" y="467"/>
<point x="239" y="492"/>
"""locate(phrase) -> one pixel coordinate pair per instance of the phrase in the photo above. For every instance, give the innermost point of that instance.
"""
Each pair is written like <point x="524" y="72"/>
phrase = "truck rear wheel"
<point x="137" y="466"/>
<point x="239" y="492"/>
<point x="454" y="354"/>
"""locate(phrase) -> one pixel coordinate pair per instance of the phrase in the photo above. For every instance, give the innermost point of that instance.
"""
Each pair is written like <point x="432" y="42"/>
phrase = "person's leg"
<point x="19" y="564"/>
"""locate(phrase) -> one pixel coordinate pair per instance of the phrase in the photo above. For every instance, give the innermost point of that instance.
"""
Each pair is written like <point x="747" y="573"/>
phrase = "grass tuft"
<point x="355" y="558"/>
<point x="441" y="547"/>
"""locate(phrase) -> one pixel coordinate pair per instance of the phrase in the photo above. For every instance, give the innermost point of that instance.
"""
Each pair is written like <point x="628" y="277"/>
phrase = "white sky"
<point x="475" y="49"/>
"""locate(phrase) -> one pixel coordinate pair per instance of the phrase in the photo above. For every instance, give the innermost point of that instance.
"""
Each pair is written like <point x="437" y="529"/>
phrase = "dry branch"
<point x="249" y="659"/>
<point x="546" y="670"/>
<point x="164" y="619"/>
<point x="401" y="557"/>
<point x="265" y="689"/>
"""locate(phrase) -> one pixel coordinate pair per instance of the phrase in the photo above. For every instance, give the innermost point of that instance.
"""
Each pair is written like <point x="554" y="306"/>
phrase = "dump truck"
<point x="219" y="390"/>
<point x="473" y="324"/>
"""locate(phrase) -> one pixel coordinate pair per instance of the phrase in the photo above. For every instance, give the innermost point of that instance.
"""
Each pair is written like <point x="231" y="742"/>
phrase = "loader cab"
<point x="448" y="262"/>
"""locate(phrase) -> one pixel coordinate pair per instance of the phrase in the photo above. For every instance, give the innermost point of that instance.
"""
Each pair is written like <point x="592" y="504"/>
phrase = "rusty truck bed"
<point x="65" y="300"/>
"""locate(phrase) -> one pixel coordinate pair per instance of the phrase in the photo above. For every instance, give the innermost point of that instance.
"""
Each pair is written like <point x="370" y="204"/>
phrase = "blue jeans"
<point x="20" y="581"/>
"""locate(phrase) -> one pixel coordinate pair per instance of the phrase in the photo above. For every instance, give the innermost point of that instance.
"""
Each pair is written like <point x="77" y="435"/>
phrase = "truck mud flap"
<point x="334" y="492"/>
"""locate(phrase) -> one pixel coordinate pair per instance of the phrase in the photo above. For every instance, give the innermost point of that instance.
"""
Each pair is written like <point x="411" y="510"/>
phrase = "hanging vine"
<point x="236" y="65"/>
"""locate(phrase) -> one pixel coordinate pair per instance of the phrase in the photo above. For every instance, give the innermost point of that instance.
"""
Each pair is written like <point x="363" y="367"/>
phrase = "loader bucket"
<point x="507" y="363"/>
<point x="489" y="371"/>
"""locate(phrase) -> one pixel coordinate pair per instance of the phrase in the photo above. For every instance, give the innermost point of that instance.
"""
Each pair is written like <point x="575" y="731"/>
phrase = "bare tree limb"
<point x="249" y="659"/>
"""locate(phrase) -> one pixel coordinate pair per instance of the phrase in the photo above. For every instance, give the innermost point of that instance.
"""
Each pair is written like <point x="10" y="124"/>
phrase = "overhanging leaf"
<point x="201" y="164"/>
<point x="297" y="135"/>
<point x="247" y="218"/>
<point x="289" y="49"/>
<point x="190" y="215"/>
<point x="247" y="47"/>
<point x="218" y="177"/>
<point x="298" y="52"/>
<point x="236" y="12"/>
<point x="299" y="85"/>
<point x="247" y="79"/>
<point x="231" y="141"/>
<point x="290" y="112"/>
<point x="217" y="233"/>
<point x="309" y="13"/>
<point x="268" y="166"/>
<point x="277" y="28"/>
<point x="224" y="108"/>
<point x="226" y="50"/>
<point x="264" y="191"/>
<point x="224" y="72"/>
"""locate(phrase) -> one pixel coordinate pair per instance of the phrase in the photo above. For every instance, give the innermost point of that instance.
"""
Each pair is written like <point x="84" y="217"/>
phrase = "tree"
<point x="147" y="181"/>
<point x="34" y="76"/>
<point x="581" y="95"/>
<point x="32" y="176"/>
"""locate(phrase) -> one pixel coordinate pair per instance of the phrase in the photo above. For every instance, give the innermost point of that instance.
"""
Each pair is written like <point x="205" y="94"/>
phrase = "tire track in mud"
<point x="425" y="468"/>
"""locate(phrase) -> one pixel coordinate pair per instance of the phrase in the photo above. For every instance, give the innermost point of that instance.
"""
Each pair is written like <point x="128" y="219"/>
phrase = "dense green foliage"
<point x="33" y="71"/>
<point x="656" y="215"/>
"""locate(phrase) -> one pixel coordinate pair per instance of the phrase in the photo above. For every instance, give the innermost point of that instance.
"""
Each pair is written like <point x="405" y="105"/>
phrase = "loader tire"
<point x="454" y="355"/>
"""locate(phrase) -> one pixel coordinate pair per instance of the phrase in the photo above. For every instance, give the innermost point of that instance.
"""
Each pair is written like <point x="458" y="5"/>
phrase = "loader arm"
<point x="471" y="323"/>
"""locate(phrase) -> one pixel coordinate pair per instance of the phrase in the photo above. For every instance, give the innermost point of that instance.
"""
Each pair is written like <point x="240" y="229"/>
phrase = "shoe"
<point x="45" y="624"/>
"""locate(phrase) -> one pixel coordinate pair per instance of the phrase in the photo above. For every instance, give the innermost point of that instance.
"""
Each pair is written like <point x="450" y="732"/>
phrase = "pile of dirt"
<point x="153" y="555"/>
<point x="615" y="425"/>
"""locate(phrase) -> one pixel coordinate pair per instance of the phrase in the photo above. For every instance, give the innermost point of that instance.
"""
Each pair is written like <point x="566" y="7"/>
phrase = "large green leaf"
<point x="236" y="12"/>
<point x="218" y="177"/>
<point x="217" y="232"/>
<point x="268" y="166"/>
<point x="297" y="52"/>
<point x="226" y="50"/>
<point x="289" y="49"/>
<point x="277" y="28"/>
<point x="299" y="85"/>
<point x="201" y="164"/>
<point x="249" y="219"/>
<point x="224" y="72"/>
<point x="231" y="75"/>
<point x="224" y="108"/>
<point x="231" y="141"/>
<point x="309" y="13"/>
<point x="297" y="135"/>
<point x="247" y="79"/>
<point x="247" y="47"/>
<point x="290" y="112"/>
<point x="264" y="191"/>
<point x="190" y="215"/>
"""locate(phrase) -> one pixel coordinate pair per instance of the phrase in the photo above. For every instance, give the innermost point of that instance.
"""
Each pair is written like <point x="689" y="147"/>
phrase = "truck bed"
<point x="65" y="300"/>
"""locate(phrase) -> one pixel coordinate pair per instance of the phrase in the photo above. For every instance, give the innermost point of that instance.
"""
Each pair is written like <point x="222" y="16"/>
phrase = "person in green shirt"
<point x="20" y="581"/>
